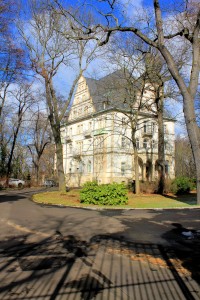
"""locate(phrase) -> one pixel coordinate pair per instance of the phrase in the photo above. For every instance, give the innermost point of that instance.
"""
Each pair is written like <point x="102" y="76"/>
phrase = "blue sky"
<point x="64" y="76"/>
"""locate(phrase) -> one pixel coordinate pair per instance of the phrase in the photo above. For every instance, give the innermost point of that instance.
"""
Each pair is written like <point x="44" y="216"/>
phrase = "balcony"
<point x="147" y="131"/>
<point x="68" y="139"/>
<point x="87" y="133"/>
<point x="77" y="153"/>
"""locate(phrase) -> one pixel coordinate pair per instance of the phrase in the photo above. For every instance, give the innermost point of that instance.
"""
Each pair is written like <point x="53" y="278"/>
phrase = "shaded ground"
<point x="66" y="253"/>
<point x="63" y="267"/>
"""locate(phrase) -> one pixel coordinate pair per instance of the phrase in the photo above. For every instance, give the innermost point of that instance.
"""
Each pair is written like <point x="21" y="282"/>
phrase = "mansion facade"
<point x="97" y="136"/>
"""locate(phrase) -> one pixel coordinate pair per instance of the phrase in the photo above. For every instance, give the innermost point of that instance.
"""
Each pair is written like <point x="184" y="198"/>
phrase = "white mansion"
<point x="96" y="138"/>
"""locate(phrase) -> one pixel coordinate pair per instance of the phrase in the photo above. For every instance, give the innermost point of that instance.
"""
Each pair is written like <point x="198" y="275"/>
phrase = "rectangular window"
<point x="145" y="127"/>
<point x="78" y="129"/>
<point x="153" y="127"/>
<point x="70" y="148"/>
<point x="123" y="142"/>
<point x="79" y="147"/>
<point x="137" y="144"/>
<point x="153" y="144"/>
<point x="123" y="121"/>
<point x="89" y="167"/>
<point x="123" y="168"/>
<point x="165" y="129"/>
<point x="145" y="143"/>
<point x="167" y="169"/>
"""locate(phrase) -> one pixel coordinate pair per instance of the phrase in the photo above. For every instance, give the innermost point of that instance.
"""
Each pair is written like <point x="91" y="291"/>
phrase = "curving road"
<point x="69" y="253"/>
<point x="17" y="210"/>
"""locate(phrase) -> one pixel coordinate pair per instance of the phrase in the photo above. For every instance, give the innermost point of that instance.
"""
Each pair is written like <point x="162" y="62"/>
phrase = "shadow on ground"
<point x="105" y="267"/>
<point x="190" y="198"/>
<point x="11" y="198"/>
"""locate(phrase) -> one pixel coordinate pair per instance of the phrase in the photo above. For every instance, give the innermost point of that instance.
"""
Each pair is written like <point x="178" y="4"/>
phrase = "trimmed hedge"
<point x="103" y="194"/>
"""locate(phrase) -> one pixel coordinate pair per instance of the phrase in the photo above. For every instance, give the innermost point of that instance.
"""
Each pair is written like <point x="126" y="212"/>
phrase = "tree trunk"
<point x="59" y="156"/>
<point x="194" y="136"/>
<point x="189" y="113"/>
<point x="37" y="172"/>
<point x="137" y="182"/>
<point x="135" y="154"/>
<point x="9" y="167"/>
<point x="60" y="170"/>
<point x="161" y="141"/>
<point x="55" y="126"/>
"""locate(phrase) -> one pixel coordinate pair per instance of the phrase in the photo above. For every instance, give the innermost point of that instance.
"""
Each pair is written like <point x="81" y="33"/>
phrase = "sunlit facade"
<point x="97" y="140"/>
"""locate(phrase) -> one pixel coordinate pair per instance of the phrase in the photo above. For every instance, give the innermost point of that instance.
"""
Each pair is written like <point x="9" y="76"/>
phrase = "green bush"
<point x="104" y="194"/>
<point x="181" y="185"/>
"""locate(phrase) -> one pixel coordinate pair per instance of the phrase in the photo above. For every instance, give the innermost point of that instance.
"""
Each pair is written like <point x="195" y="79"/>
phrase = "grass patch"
<point x="72" y="198"/>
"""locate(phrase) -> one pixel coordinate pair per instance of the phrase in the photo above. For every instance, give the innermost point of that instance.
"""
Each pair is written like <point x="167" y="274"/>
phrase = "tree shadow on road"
<point x="109" y="266"/>
<point x="11" y="198"/>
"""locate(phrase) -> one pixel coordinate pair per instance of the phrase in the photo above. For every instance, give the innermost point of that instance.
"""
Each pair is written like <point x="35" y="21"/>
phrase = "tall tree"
<point x="40" y="138"/>
<point x="23" y="98"/>
<point x="183" y="156"/>
<point x="163" y="37"/>
<point x="51" y="45"/>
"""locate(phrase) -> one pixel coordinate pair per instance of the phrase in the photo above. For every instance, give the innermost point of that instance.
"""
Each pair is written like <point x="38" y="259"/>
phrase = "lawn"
<point x="72" y="198"/>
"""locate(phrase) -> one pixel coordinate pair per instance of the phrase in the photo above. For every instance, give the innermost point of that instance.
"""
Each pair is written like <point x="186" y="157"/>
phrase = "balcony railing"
<point x="77" y="153"/>
<point x="147" y="131"/>
<point x="87" y="133"/>
<point x="68" y="139"/>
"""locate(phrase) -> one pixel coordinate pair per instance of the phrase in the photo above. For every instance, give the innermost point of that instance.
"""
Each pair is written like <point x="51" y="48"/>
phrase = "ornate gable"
<point x="82" y="104"/>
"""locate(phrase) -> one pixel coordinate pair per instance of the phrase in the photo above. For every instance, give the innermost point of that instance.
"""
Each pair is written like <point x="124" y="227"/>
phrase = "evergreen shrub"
<point x="181" y="185"/>
<point x="103" y="194"/>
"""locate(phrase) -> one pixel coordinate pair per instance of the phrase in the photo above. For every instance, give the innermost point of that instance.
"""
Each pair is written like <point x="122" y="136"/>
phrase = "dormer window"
<point x="125" y="103"/>
<point x="105" y="104"/>
<point x="123" y="121"/>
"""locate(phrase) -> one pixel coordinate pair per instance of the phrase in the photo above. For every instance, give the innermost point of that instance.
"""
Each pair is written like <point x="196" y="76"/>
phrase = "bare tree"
<point x="12" y="65"/>
<point x="12" y="60"/>
<point x="186" y="28"/>
<point x="184" y="160"/>
<point x="51" y="46"/>
<point x="23" y="98"/>
<point x="40" y="138"/>
<point x="126" y="95"/>
<point x="144" y="73"/>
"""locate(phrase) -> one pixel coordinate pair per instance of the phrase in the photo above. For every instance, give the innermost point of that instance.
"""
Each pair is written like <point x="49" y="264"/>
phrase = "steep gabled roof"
<point x="112" y="89"/>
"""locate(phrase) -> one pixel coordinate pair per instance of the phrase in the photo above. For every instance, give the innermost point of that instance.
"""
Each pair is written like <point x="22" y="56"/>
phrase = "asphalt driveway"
<point x="70" y="253"/>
